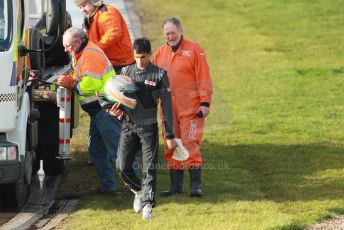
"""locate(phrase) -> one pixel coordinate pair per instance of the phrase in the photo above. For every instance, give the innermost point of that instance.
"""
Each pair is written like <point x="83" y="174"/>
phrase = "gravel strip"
<point x="337" y="222"/>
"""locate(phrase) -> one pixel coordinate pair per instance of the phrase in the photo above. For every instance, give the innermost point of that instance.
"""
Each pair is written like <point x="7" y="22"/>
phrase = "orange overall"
<point x="109" y="31"/>
<point x="191" y="85"/>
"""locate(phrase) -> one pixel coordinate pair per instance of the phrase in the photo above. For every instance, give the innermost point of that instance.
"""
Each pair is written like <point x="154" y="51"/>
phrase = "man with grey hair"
<point x="91" y="69"/>
<point x="191" y="88"/>
<point x="106" y="27"/>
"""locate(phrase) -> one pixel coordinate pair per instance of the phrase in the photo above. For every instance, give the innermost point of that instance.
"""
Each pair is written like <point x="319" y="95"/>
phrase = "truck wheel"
<point x="37" y="59"/>
<point x="21" y="192"/>
<point x="14" y="195"/>
<point x="53" y="167"/>
<point x="63" y="17"/>
<point x="57" y="21"/>
<point x="28" y="167"/>
<point x="52" y="18"/>
<point x="55" y="17"/>
<point x="68" y="21"/>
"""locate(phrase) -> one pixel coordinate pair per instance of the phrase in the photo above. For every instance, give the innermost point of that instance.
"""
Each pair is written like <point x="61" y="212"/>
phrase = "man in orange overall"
<point x="191" y="89"/>
<point x="106" y="27"/>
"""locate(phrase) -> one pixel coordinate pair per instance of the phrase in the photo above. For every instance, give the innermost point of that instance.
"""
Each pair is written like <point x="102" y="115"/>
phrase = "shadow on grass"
<point x="240" y="172"/>
<point x="80" y="178"/>
<point x="274" y="172"/>
<point x="339" y="211"/>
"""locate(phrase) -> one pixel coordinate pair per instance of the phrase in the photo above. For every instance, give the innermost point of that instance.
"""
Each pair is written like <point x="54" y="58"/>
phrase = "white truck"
<point x="36" y="116"/>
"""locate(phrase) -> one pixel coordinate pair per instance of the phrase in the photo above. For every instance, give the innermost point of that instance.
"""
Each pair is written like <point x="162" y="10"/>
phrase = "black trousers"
<point x="132" y="138"/>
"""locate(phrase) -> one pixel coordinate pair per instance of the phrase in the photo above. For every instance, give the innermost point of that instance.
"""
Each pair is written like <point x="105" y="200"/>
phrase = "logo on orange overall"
<point x="186" y="53"/>
<point x="193" y="129"/>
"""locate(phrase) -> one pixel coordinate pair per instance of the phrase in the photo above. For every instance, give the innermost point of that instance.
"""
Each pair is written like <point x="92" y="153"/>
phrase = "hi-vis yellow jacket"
<point x="91" y="70"/>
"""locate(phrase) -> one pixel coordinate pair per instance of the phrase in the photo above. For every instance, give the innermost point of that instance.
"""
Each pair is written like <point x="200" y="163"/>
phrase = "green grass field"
<point x="273" y="146"/>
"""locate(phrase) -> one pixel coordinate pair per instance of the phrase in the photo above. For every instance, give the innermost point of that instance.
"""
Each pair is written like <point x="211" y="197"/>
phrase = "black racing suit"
<point x="140" y="128"/>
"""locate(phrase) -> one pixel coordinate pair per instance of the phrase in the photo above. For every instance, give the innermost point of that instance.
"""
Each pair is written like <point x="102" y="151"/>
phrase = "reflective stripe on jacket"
<point x="109" y="31"/>
<point x="91" y="71"/>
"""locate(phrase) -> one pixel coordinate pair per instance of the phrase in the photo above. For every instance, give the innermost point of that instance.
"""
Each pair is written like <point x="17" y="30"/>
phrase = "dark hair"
<point x="176" y="21"/>
<point x="142" y="45"/>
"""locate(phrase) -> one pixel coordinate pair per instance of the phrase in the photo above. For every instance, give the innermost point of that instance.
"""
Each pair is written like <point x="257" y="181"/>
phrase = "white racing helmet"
<point x="116" y="88"/>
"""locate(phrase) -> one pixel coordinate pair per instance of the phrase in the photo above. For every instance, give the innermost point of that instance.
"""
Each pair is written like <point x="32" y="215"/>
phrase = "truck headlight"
<point x="8" y="153"/>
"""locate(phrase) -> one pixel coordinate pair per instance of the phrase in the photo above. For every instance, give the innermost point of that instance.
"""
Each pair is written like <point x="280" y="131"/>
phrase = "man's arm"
<point x="164" y="92"/>
<point x="204" y="82"/>
<point x="166" y="105"/>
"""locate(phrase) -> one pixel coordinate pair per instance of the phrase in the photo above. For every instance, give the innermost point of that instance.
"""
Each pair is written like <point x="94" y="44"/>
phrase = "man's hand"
<point x="116" y="111"/>
<point x="203" y="111"/>
<point x="65" y="80"/>
<point x="171" y="144"/>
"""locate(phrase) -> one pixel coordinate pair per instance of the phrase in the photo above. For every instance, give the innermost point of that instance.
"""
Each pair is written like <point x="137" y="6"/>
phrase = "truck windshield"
<point x="6" y="22"/>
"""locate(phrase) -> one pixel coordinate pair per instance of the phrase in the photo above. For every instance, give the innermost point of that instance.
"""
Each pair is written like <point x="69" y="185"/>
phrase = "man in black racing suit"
<point x="140" y="126"/>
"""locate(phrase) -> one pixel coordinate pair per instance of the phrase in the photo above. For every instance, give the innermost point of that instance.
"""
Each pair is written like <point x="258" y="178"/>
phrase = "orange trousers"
<point x="190" y="131"/>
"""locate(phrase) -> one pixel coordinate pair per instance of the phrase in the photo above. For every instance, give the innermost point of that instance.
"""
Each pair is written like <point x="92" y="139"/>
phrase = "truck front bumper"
<point x="9" y="171"/>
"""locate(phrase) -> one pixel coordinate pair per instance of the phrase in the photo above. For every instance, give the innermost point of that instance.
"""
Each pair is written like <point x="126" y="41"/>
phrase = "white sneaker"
<point x="137" y="205"/>
<point x="147" y="212"/>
